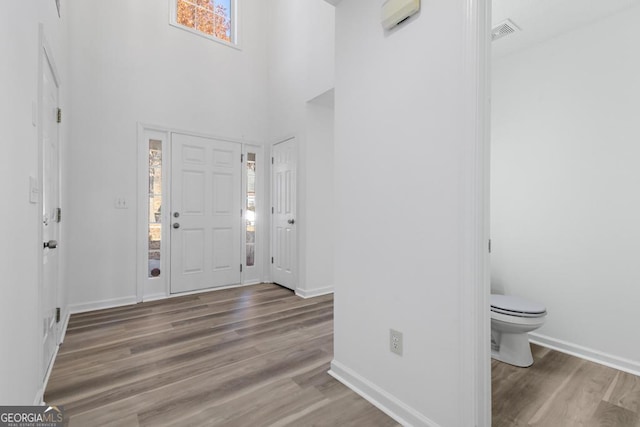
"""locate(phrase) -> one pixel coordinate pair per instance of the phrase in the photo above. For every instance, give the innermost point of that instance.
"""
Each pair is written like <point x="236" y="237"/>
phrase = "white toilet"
<point x="511" y="320"/>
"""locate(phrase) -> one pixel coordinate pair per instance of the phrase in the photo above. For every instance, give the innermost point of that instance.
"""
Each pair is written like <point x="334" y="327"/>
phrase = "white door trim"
<point x="475" y="278"/>
<point x="151" y="288"/>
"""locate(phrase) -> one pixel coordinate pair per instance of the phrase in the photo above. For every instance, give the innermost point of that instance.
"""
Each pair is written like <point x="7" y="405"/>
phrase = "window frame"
<point x="235" y="18"/>
<point x="158" y="215"/>
<point x="152" y="288"/>
<point x="255" y="273"/>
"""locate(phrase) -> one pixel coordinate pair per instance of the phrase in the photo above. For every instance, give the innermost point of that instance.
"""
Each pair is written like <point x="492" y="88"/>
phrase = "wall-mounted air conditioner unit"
<point x="396" y="11"/>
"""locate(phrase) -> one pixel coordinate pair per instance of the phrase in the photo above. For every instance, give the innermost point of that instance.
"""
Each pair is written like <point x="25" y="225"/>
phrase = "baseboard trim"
<point x="314" y="292"/>
<point x="40" y="396"/>
<point x="39" y="401"/>
<point x="101" y="305"/>
<point x="619" y="363"/>
<point x="65" y="325"/>
<point x="387" y="403"/>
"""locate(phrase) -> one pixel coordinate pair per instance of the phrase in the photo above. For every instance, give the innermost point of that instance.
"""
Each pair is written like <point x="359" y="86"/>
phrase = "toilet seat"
<point x="516" y="306"/>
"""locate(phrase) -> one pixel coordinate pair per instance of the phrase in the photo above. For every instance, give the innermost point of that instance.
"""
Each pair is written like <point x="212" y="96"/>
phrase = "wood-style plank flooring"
<point x="258" y="356"/>
<point x="252" y="356"/>
<point x="559" y="390"/>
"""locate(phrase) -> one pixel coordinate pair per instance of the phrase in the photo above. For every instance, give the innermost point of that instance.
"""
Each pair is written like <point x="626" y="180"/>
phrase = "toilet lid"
<point x="516" y="306"/>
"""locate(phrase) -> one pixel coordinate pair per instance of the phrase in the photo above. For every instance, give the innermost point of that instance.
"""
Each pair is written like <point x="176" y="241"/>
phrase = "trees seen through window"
<point x="211" y="17"/>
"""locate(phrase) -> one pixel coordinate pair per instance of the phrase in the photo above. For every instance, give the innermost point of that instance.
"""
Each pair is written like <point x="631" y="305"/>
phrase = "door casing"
<point x="149" y="289"/>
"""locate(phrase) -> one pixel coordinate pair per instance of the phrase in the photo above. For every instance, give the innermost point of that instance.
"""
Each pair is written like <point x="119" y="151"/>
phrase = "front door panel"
<point x="206" y="213"/>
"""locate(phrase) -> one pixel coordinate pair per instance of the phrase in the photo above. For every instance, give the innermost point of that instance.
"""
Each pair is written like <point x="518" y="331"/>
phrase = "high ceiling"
<point x="540" y="20"/>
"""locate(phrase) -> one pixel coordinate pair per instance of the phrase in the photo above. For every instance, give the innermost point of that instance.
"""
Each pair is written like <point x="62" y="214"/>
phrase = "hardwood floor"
<point x="253" y="356"/>
<point x="258" y="356"/>
<point x="563" y="391"/>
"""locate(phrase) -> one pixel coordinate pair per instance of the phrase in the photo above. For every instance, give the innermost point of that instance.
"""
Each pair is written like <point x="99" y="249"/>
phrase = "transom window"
<point x="214" y="19"/>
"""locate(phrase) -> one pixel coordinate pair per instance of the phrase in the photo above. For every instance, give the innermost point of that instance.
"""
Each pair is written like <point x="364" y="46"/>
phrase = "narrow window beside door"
<point x="250" y="216"/>
<point x="155" y="206"/>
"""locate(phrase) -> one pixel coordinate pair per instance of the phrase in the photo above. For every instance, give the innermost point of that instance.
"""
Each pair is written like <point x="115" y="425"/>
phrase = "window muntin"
<point x="214" y="19"/>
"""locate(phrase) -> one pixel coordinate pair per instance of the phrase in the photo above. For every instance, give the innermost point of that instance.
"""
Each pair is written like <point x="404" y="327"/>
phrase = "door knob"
<point x="51" y="244"/>
<point x="176" y="225"/>
<point x="176" y="214"/>
<point x="292" y="221"/>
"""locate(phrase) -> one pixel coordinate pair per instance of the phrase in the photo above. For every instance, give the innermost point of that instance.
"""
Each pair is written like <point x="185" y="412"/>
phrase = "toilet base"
<point x="513" y="349"/>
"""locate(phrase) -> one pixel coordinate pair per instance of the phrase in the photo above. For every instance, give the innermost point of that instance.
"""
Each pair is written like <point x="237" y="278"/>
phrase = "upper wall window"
<point x="214" y="19"/>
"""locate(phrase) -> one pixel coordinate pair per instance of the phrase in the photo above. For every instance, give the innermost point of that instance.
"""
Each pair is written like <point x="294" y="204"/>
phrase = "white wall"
<point x="404" y="141"/>
<point x="301" y="76"/>
<point x="318" y="191"/>
<point x="129" y="65"/>
<point x="565" y="200"/>
<point x="20" y="325"/>
<point x="301" y="60"/>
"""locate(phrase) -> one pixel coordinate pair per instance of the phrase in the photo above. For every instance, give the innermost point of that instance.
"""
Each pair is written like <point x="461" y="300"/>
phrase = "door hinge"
<point x="59" y="115"/>
<point x="271" y="260"/>
<point x="58" y="215"/>
<point x="240" y="213"/>
<point x="242" y="158"/>
<point x="489" y="245"/>
<point x="272" y="160"/>
<point x="57" y="314"/>
<point x="272" y="210"/>
<point x="240" y="268"/>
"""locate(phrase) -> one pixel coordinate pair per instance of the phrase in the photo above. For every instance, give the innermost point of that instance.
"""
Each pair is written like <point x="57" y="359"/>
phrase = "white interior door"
<point x="206" y="213"/>
<point x="50" y="213"/>
<point x="284" y="241"/>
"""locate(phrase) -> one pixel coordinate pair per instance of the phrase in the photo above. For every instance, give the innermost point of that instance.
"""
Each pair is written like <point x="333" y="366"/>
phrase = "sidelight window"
<point x="250" y="210"/>
<point x="155" y="206"/>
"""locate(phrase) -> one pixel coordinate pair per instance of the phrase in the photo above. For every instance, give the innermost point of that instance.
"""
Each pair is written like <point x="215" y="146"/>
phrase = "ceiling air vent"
<point x="503" y="29"/>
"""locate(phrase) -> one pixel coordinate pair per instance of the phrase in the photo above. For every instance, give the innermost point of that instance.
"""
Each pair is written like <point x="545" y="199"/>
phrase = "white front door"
<point x="50" y="213"/>
<point x="205" y="213"/>
<point x="284" y="246"/>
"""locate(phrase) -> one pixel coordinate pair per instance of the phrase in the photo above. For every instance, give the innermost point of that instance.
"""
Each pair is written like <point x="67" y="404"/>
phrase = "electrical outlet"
<point x="121" y="203"/>
<point x="395" y="342"/>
